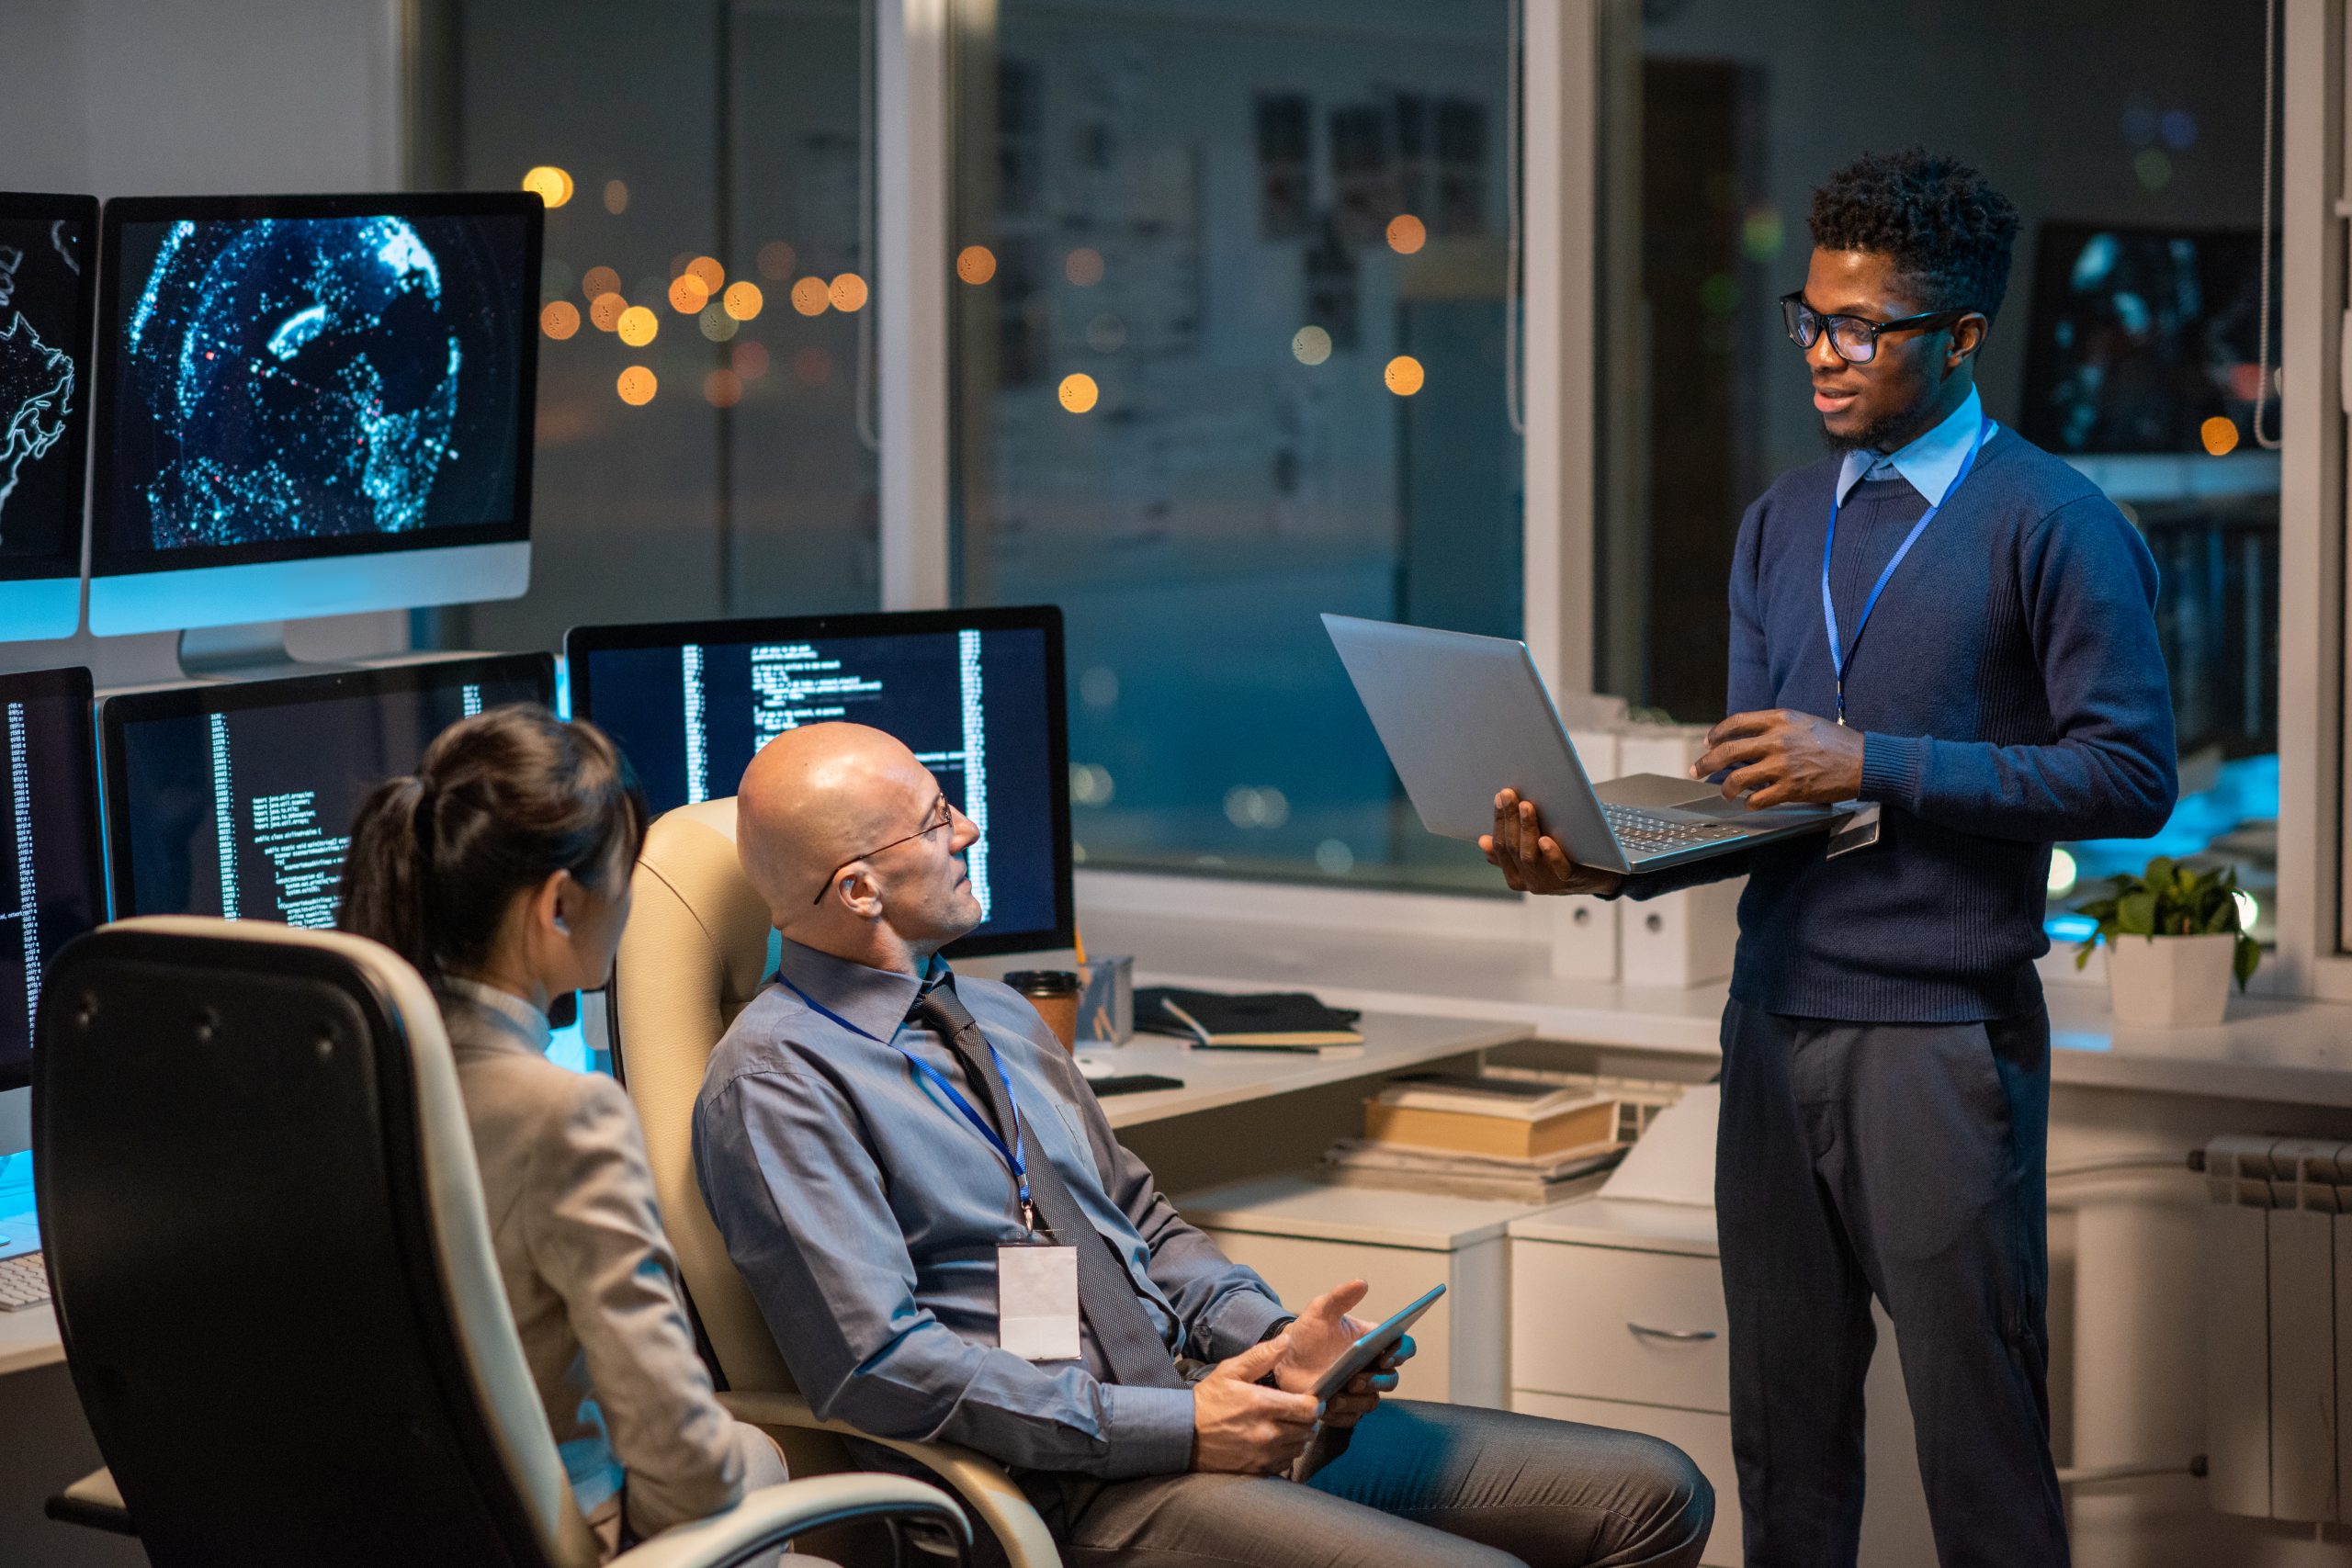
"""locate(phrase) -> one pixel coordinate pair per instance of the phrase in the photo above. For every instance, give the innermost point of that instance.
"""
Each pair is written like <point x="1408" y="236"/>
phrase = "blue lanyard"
<point x="1015" y="1157"/>
<point x="1838" y="656"/>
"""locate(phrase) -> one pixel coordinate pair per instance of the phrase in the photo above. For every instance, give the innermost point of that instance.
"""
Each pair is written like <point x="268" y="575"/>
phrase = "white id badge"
<point x="1036" y="1301"/>
<point x="1857" y="831"/>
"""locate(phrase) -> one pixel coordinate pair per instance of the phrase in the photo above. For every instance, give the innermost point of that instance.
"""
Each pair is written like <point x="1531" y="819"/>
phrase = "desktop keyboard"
<point x="1644" y="833"/>
<point x="22" y="1282"/>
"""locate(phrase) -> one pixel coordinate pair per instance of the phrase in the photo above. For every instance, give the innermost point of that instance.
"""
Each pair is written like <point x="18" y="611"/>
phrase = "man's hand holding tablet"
<point x="1330" y="1356"/>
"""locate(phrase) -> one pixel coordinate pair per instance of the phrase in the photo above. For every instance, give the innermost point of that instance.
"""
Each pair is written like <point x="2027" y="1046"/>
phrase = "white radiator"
<point x="2277" y="1286"/>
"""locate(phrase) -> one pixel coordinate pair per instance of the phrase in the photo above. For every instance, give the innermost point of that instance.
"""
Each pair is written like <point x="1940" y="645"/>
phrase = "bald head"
<point x="821" y="795"/>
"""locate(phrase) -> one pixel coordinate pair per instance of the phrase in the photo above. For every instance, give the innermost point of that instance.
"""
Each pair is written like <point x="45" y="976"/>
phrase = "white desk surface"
<point x="29" y="1339"/>
<point x="1297" y="1206"/>
<point x="2298" y="1052"/>
<point x="1632" y="1224"/>
<point x="1213" y="1080"/>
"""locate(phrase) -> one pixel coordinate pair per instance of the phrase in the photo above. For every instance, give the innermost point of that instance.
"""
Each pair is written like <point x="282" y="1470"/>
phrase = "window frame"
<point x="1571" y="52"/>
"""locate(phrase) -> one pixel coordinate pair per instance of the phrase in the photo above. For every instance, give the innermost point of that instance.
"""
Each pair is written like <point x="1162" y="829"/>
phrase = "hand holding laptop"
<point x="1530" y="860"/>
<point x="1781" y="756"/>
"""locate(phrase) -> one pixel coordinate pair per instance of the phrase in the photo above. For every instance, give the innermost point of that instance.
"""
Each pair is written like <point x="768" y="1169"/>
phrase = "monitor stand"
<point x="241" y="652"/>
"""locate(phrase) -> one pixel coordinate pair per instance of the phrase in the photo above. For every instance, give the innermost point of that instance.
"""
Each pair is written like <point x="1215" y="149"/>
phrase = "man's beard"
<point x="1877" y="436"/>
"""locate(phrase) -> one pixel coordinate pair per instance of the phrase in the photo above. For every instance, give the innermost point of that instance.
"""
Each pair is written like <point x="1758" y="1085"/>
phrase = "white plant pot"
<point x="2170" y="982"/>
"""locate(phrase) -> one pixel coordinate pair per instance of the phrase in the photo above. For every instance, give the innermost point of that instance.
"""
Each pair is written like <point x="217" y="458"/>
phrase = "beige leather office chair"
<point x="695" y="952"/>
<point x="275" y="1279"/>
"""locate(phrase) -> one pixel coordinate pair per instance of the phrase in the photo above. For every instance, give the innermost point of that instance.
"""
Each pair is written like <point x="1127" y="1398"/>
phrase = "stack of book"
<point x="1522" y="1138"/>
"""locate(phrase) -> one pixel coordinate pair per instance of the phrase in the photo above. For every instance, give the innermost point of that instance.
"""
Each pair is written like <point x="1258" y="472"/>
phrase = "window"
<point x="714" y="169"/>
<point x="1229" y="351"/>
<point x="2131" y="138"/>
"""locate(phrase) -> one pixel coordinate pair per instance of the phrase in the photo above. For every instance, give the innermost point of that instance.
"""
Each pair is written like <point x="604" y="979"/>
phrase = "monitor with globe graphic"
<point x="47" y="286"/>
<point x="313" y="405"/>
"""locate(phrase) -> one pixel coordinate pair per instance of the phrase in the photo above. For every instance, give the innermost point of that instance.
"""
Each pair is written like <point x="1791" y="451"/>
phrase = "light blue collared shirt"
<point x="1931" y="464"/>
<point x="865" y="1216"/>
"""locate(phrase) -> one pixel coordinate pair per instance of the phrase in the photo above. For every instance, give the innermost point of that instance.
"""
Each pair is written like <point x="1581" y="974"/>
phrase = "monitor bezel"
<point x="71" y="683"/>
<point x="120" y="711"/>
<point x="580" y="642"/>
<point x="64" y="565"/>
<point x="106" y="561"/>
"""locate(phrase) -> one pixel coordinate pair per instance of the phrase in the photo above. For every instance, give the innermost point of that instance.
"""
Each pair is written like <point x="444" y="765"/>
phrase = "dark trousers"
<point x="1420" y="1487"/>
<point x="1903" y="1161"/>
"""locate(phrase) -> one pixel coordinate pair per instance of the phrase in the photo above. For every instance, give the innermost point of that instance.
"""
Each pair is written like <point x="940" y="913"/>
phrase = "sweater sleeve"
<point x="2090" y="588"/>
<point x="1746" y="689"/>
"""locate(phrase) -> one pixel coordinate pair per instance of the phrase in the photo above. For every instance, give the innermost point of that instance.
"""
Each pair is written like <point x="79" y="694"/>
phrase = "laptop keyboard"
<point x="22" y="1282"/>
<point x="1642" y="833"/>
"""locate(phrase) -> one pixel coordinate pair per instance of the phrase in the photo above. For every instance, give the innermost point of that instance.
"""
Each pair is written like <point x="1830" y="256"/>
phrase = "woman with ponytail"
<point x="501" y="870"/>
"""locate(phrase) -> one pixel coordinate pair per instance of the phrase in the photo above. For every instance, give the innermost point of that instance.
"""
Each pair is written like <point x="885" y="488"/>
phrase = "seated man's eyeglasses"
<point x="1854" y="339"/>
<point x="943" y="818"/>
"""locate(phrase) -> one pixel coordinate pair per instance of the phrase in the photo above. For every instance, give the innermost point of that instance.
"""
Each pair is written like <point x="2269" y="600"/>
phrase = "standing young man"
<point x="1947" y="624"/>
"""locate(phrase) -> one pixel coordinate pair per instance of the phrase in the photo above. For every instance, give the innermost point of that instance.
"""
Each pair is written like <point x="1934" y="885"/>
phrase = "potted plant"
<point x="2174" y="939"/>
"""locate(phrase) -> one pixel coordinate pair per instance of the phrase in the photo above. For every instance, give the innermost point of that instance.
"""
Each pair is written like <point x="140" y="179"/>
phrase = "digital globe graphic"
<point x="305" y="376"/>
<point x="37" y="387"/>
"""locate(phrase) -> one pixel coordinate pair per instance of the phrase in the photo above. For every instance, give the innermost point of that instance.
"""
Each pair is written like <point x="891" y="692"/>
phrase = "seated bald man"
<point x="949" y="1245"/>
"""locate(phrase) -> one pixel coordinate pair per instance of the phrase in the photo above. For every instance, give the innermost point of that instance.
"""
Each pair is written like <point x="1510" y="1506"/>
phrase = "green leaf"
<point x="2247" y="959"/>
<point x="2083" y="952"/>
<point x="2136" y="913"/>
<point x="2223" y="918"/>
<point x="2159" y="872"/>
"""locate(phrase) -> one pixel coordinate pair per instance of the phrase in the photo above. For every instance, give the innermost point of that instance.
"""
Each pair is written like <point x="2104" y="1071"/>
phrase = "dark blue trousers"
<point x="1903" y="1161"/>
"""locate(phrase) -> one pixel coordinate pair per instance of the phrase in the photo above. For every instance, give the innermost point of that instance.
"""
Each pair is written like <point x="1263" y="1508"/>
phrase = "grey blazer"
<point x="591" y="1279"/>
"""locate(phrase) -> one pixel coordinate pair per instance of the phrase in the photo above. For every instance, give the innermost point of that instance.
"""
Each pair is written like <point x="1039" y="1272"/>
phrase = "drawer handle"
<point x="1677" y="1336"/>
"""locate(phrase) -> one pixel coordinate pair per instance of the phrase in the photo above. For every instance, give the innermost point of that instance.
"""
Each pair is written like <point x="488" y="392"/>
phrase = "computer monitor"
<point x="48" y="286"/>
<point x="976" y="693"/>
<point x="2137" y="336"/>
<point x="52" y="878"/>
<point x="313" y="405"/>
<point x="237" y="799"/>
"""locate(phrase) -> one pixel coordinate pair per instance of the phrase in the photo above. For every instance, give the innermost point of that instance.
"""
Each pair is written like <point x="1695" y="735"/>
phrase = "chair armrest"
<point x="994" y="1500"/>
<point x="772" y="1515"/>
<point x="95" y="1501"/>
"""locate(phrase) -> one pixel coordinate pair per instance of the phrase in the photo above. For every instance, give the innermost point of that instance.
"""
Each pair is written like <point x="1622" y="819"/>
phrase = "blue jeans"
<point x="1420" y="1487"/>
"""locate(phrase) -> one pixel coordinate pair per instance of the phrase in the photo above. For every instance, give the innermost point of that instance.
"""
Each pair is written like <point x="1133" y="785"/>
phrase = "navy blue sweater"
<point x="2011" y="694"/>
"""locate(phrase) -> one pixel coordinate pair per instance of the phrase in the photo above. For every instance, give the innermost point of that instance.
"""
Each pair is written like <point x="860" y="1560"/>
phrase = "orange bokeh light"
<point x="1404" y="376"/>
<point x="1079" y="392"/>
<point x="637" y="385"/>
<point x="599" y="280"/>
<point x="777" y="259"/>
<point x="722" y="388"/>
<point x="975" y="264"/>
<point x="2220" y="434"/>
<point x="848" y="292"/>
<point x="1407" y="234"/>
<point x="637" y="326"/>
<point x="688" y="295"/>
<point x="607" y="310"/>
<point x="744" y="301"/>
<point x="812" y="367"/>
<point x="560" y="319"/>
<point x="811" y="298"/>
<point x="616" y="196"/>
<point x="750" y="359"/>
<point x="713" y="275"/>
<point x="552" y="184"/>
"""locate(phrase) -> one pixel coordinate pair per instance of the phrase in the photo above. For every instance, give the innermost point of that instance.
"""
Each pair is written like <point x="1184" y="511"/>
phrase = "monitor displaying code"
<point x="979" y="704"/>
<point x="52" y="888"/>
<point x="238" y="800"/>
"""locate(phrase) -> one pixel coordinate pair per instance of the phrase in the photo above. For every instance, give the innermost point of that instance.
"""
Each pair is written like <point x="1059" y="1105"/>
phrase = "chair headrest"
<point x="483" y="1324"/>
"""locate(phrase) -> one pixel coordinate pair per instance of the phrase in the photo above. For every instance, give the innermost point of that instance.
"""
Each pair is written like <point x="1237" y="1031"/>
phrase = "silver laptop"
<point x="1463" y="717"/>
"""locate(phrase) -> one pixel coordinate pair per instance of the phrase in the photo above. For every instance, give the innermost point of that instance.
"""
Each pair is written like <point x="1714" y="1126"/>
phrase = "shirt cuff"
<point x="1148" y="1431"/>
<point x="1894" y="768"/>
<point x="1245" y="1317"/>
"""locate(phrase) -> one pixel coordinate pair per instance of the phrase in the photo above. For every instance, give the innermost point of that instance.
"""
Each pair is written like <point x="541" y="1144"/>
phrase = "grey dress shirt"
<point x="865" y="1212"/>
<point x="591" y="1279"/>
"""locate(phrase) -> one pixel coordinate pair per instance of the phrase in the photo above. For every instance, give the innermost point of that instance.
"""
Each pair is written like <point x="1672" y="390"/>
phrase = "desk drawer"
<point x="1579" y="1316"/>
<point x="1706" y="1438"/>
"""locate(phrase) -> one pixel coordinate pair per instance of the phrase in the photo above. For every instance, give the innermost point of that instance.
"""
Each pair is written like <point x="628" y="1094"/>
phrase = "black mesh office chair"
<point x="275" y="1279"/>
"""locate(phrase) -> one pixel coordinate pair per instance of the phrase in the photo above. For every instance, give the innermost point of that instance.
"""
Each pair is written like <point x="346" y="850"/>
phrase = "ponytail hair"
<point x="503" y="801"/>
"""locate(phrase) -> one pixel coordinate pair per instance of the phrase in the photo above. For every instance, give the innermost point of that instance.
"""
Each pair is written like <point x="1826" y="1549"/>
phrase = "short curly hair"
<point x="1947" y="231"/>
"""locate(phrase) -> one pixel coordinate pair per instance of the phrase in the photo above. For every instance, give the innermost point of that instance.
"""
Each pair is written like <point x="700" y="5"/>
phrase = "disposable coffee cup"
<point x="1054" y="993"/>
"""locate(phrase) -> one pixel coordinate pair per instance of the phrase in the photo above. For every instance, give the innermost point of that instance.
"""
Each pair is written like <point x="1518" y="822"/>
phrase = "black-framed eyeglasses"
<point x="945" y="819"/>
<point x="1853" y="339"/>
